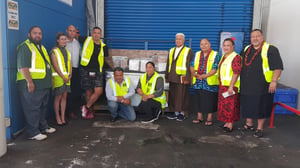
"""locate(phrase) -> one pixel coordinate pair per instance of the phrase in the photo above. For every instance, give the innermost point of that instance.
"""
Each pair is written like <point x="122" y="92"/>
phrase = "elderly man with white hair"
<point x="179" y="76"/>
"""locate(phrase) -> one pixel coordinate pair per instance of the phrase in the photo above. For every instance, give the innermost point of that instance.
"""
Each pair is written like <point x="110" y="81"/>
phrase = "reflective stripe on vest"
<point x="87" y="52"/>
<point x="265" y="62"/>
<point x="212" y="80"/>
<point x="57" y="80"/>
<point x="226" y="72"/>
<point x="38" y="66"/>
<point x="117" y="90"/>
<point x="181" y="60"/>
<point x="149" y="88"/>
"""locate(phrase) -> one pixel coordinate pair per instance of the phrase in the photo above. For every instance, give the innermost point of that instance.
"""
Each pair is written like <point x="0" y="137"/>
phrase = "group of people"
<point x="230" y="84"/>
<point x="62" y="71"/>
<point x="225" y="84"/>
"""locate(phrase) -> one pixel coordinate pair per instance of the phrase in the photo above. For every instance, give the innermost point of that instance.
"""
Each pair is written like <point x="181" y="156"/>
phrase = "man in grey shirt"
<point x="73" y="46"/>
<point x="118" y="91"/>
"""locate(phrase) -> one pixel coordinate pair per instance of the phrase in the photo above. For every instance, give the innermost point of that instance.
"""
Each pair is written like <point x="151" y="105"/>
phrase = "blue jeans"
<point x="119" y="109"/>
<point x="35" y="106"/>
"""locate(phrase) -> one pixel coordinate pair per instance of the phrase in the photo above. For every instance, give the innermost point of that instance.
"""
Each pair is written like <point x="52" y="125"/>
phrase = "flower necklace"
<point x="247" y="53"/>
<point x="205" y="63"/>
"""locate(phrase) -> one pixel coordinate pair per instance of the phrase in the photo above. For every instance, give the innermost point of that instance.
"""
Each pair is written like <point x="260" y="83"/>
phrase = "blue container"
<point x="286" y="95"/>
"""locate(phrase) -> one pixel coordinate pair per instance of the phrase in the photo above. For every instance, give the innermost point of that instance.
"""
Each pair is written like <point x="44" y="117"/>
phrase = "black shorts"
<point x="90" y="79"/>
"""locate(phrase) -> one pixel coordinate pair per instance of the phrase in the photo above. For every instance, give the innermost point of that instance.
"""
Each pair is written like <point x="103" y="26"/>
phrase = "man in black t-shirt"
<point x="262" y="66"/>
<point x="92" y="61"/>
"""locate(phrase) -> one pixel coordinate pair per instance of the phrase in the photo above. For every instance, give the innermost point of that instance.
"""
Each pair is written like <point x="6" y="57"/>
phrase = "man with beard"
<point x="34" y="83"/>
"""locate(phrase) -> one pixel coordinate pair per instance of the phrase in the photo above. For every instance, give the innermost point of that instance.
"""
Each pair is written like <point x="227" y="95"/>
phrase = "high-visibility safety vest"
<point x="149" y="88"/>
<point x="87" y="52"/>
<point x="57" y="80"/>
<point x="181" y="60"/>
<point x="265" y="63"/>
<point x="212" y="80"/>
<point x="38" y="66"/>
<point x="120" y="90"/>
<point x="225" y="70"/>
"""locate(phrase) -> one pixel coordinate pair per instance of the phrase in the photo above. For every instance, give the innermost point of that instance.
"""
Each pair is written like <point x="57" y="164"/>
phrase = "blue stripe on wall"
<point x="128" y="23"/>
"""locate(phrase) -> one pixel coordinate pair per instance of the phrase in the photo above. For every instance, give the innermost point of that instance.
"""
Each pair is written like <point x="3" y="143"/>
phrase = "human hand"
<point x="30" y="86"/>
<point x="119" y="98"/>
<point x="230" y="90"/>
<point x="272" y="87"/>
<point x="144" y="97"/>
<point x="126" y="102"/>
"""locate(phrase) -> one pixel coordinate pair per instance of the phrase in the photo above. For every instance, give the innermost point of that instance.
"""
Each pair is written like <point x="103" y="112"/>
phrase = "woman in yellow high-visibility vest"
<point x="61" y="75"/>
<point x="229" y="71"/>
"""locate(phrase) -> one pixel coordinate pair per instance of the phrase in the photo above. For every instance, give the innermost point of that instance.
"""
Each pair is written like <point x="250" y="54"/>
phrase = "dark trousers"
<point x="74" y="98"/>
<point x="149" y="107"/>
<point x="35" y="107"/>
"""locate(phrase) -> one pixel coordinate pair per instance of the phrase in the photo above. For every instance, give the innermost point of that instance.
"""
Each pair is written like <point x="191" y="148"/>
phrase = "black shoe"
<point x="258" y="133"/>
<point x="113" y="119"/>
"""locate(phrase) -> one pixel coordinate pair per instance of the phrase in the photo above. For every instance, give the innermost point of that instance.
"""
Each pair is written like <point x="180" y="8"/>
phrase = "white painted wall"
<point x="283" y="31"/>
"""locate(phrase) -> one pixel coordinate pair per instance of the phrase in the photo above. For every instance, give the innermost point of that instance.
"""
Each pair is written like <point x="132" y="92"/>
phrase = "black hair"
<point x="96" y="27"/>
<point x="31" y="28"/>
<point x="58" y="35"/>
<point x="118" y="69"/>
<point x="150" y="62"/>
<point x="257" y="30"/>
<point x="229" y="39"/>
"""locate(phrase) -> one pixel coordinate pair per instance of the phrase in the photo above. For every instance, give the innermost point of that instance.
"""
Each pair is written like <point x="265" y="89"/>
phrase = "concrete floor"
<point x="165" y="143"/>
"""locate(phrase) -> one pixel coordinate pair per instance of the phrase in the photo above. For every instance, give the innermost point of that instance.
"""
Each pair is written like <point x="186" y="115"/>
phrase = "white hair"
<point x="180" y="34"/>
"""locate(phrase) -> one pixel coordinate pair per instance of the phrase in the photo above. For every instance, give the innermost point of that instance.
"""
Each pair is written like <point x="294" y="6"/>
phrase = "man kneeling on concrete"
<point x="118" y="92"/>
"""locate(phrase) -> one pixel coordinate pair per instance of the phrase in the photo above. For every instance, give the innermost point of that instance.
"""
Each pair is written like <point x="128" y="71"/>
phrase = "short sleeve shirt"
<point x="23" y="61"/>
<point x="252" y="77"/>
<point x="202" y="84"/>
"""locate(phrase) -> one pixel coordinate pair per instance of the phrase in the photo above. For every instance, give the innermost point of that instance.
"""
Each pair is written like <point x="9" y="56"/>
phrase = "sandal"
<point x="208" y="123"/>
<point x="248" y="128"/>
<point x="258" y="133"/>
<point x="197" y="121"/>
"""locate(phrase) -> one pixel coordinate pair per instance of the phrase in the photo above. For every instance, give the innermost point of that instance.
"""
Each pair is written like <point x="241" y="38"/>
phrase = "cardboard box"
<point x="134" y="64"/>
<point x="120" y="61"/>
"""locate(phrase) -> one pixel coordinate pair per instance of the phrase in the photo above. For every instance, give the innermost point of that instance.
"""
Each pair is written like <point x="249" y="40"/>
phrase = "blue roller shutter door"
<point x="129" y="23"/>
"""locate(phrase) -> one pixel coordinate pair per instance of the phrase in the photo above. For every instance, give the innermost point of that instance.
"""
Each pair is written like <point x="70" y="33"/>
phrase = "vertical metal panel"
<point x="129" y="23"/>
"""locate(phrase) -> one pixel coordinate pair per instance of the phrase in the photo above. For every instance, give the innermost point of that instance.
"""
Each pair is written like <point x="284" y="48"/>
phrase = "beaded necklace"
<point x="247" y="53"/>
<point x="205" y="63"/>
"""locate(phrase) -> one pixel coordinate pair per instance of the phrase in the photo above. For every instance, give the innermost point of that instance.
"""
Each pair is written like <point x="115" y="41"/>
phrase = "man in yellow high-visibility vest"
<point x="261" y="69"/>
<point x="34" y="82"/>
<point x="178" y="75"/>
<point x="118" y="91"/>
<point x="91" y="72"/>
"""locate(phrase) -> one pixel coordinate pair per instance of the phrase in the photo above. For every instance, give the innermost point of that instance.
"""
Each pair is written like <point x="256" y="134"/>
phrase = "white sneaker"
<point x="39" y="137"/>
<point x="50" y="130"/>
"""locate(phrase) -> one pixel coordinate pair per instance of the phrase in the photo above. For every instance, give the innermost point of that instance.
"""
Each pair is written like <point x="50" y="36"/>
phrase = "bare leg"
<point x="57" y="100"/>
<point x="209" y="119"/>
<point x="199" y="118"/>
<point x="88" y="94"/>
<point x="63" y="106"/>
<point x="94" y="97"/>
<point x="249" y="122"/>
<point x="260" y="123"/>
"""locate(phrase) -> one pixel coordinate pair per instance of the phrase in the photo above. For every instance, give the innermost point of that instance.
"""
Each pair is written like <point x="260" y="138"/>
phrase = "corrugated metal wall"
<point x="129" y="23"/>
